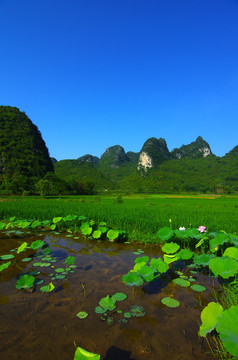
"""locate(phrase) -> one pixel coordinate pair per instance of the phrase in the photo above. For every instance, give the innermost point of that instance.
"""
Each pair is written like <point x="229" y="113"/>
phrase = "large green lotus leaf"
<point x="103" y="229"/>
<point x="143" y="259"/>
<point x="97" y="234"/>
<point x="35" y="224"/>
<point x="185" y="254"/>
<point x="159" y="265"/>
<point x="5" y="265"/>
<point x="203" y="259"/>
<point x="100" y="310"/>
<point x="227" y="328"/>
<point x="25" y="282"/>
<point x="170" y="248"/>
<point x="194" y="234"/>
<point x="24" y="224"/>
<point x="219" y="239"/>
<point x="233" y="239"/>
<point x="165" y="233"/>
<point x="170" y="302"/>
<point x="22" y="247"/>
<point x="37" y="244"/>
<point x="7" y="257"/>
<point x="132" y="279"/>
<point x="209" y="317"/>
<point x="112" y="235"/>
<point x="138" y="266"/>
<point x="87" y="230"/>
<point x="119" y="296"/>
<point x="81" y="354"/>
<point x="182" y="234"/>
<point x="108" y="303"/>
<point x="223" y="266"/>
<point x="231" y="252"/>
<point x="2" y="225"/>
<point x="181" y="282"/>
<point x="69" y="217"/>
<point x="168" y="259"/>
<point x="147" y="272"/>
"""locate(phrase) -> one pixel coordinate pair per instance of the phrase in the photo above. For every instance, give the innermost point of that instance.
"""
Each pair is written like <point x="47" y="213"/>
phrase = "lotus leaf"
<point x="219" y="239"/>
<point x="147" y="272"/>
<point x="127" y="315"/>
<point x="103" y="229"/>
<point x="223" y="266"/>
<point x="70" y="217"/>
<point x="119" y="311"/>
<point x="87" y="230"/>
<point x="97" y="234"/>
<point x="181" y="282"/>
<point x="108" y="303"/>
<point x="165" y="233"/>
<point x="138" y="266"/>
<point x="82" y="314"/>
<point x="5" y="266"/>
<point x="39" y="281"/>
<point x="168" y="259"/>
<point x="35" y="224"/>
<point x="57" y="219"/>
<point x="59" y="270"/>
<point x="46" y="251"/>
<point x="7" y="257"/>
<point x="25" y="282"/>
<point x="194" y="234"/>
<point x="112" y="234"/>
<point x="132" y="279"/>
<point x="24" y="224"/>
<point x="37" y="244"/>
<point x="203" y="259"/>
<point x="198" y="288"/>
<point x="182" y="234"/>
<point x="143" y="259"/>
<point x="47" y="288"/>
<point x="227" y="328"/>
<point x="53" y="226"/>
<point x="69" y="235"/>
<point x="70" y="260"/>
<point x="185" y="254"/>
<point x="110" y="321"/>
<point x="123" y="321"/>
<point x="231" y="252"/>
<point x="137" y="310"/>
<point x="119" y="296"/>
<point x="209" y="317"/>
<point x="26" y="259"/>
<point x="136" y="253"/>
<point x="170" y="248"/>
<point x="22" y="247"/>
<point x="2" y="225"/>
<point x="81" y="354"/>
<point x="170" y="302"/>
<point x="159" y="265"/>
<point x="59" y="277"/>
<point x="100" y="310"/>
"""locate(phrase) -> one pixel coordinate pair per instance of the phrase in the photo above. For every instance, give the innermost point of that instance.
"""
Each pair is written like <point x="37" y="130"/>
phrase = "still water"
<point x="39" y="326"/>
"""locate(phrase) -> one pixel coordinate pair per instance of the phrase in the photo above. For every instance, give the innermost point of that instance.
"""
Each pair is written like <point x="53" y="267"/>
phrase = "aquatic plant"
<point x="5" y="266"/>
<point x="81" y="354"/>
<point x="7" y="257"/>
<point x="47" y="288"/>
<point x="108" y="303"/>
<point x="223" y="266"/>
<point x="170" y="248"/>
<point x="198" y="288"/>
<point x="119" y="296"/>
<point x="25" y="282"/>
<point x="132" y="279"/>
<point x="22" y="247"/>
<point x="181" y="282"/>
<point x="227" y="327"/>
<point x="137" y="310"/>
<point x="165" y="233"/>
<point x="170" y="302"/>
<point x="209" y="317"/>
<point x="82" y="314"/>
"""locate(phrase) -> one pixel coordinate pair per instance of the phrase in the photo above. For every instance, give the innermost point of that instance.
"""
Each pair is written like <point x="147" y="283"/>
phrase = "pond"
<point x="37" y="325"/>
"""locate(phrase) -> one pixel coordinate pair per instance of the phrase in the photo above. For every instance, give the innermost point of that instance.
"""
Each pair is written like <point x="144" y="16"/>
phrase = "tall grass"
<point x="140" y="216"/>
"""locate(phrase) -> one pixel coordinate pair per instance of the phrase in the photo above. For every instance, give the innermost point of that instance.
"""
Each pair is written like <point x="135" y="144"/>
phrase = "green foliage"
<point x="224" y="266"/>
<point x="5" y="266"/>
<point x="168" y="301"/>
<point x="165" y="233"/>
<point x="47" y="288"/>
<point x="25" y="282"/>
<point x="228" y="329"/>
<point x="81" y="354"/>
<point x="170" y="248"/>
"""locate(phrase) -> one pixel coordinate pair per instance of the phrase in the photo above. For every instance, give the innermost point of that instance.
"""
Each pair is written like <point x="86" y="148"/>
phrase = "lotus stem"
<point x="84" y="291"/>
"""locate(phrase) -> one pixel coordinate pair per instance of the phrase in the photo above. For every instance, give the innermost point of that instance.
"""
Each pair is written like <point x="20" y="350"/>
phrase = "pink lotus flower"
<point x="202" y="229"/>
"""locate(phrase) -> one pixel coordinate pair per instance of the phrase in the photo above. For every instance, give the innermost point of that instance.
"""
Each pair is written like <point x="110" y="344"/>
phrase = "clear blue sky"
<point x="96" y="73"/>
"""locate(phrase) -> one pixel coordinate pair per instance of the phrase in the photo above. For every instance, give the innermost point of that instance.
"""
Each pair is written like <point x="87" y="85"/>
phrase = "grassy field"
<point x="139" y="215"/>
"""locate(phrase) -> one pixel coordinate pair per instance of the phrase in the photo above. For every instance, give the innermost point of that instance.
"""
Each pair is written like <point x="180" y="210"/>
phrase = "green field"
<point x="139" y="215"/>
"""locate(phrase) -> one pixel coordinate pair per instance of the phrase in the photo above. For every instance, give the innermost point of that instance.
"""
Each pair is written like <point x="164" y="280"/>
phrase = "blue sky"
<point x="93" y="74"/>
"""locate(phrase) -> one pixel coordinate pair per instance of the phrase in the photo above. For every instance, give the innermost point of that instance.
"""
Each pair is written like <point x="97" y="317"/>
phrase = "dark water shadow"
<point x="115" y="353"/>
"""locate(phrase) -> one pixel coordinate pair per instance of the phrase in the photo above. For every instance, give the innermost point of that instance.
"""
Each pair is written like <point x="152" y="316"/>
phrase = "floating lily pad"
<point x="119" y="311"/>
<point x="81" y="354"/>
<point x="25" y="282"/>
<point x="170" y="302"/>
<point x="47" y="288"/>
<point x="59" y="270"/>
<point x="82" y="315"/>
<point x="26" y="259"/>
<point x="181" y="282"/>
<point x="108" y="303"/>
<point x="37" y="244"/>
<point x="198" y="288"/>
<point x="59" y="277"/>
<point x="39" y="281"/>
<point x="127" y="315"/>
<point x="22" y="247"/>
<point x="119" y="296"/>
<point x="137" y="310"/>
<point x="209" y="317"/>
<point x="7" y="257"/>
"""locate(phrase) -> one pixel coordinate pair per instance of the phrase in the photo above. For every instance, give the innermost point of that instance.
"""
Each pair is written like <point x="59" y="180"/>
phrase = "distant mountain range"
<point x="191" y="167"/>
